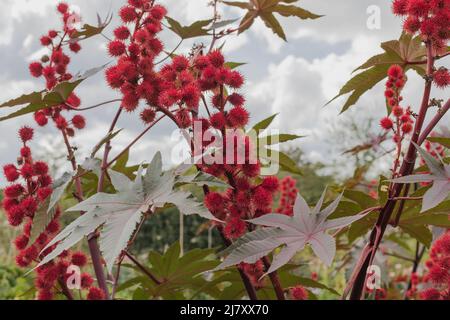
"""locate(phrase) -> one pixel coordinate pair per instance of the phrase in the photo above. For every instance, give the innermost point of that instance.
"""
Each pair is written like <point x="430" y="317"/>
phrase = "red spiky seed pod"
<point x="74" y="47"/>
<point x="236" y="99"/>
<point x="40" y="168"/>
<point x="21" y="242"/>
<point x="395" y="71"/>
<point x="14" y="191"/>
<point x="218" y="120"/>
<point x="79" y="121"/>
<point x="418" y="8"/>
<point x="26" y="134"/>
<point x="262" y="198"/>
<point x="46" y="41"/>
<point x="25" y="152"/>
<point x="158" y="12"/>
<point x="271" y="184"/>
<point x="148" y="115"/>
<point x="52" y="227"/>
<point x="238" y="117"/>
<point x="128" y="14"/>
<point x="235" y="80"/>
<point x="214" y="202"/>
<point x="79" y="259"/>
<point x="430" y="294"/>
<point x="441" y="78"/>
<point x="180" y="63"/>
<point x="44" y="193"/>
<point x="116" y="48"/>
<point x="235" y="228"/>
<point x="399" y="7"/>
<point x="95" y="294"/>
<point x="298" y="293"/>
<point x="36" y="69"/>
<point x="62" y="7"/>
<point x="216" y="58"/>
<point x="122" y="33"/>
<point x="397" y="111"/>
<point x="386" y="123"/>
<point x="86" y="280"/>
<point x="11" y="173"/>
<point x="407" y="127"/>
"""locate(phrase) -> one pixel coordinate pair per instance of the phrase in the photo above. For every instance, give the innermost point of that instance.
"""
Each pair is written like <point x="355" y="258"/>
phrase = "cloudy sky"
<point x="295" y="78"/>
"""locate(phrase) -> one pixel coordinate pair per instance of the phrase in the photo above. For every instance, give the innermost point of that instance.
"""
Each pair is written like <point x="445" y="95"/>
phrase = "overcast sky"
<point x="295" y="79"/>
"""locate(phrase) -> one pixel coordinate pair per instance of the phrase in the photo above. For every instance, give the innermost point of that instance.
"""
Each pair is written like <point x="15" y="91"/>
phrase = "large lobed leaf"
<point x="265" y="9"/>
<point x="439" y="176"/>
<point x="306" y="226"/>
<point x="403" y="51"/>
<point x="46" y="99"/>
<point x="120" y="213"/>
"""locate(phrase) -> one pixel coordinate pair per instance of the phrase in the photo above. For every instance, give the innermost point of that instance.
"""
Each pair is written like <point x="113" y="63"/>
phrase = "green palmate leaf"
<point x="221" y="24"/>
<point x="275" y="139"/>
<point x="440" y="176"/>
<point x="361" y="198"/>
<point x="285" y="162"/>
<point x="88" y="31"/>
<point x="444" y="141"/>
<point x="234" y="65"/>
<point x="265" y="9"/>
<point x="242" y="5"/>
<point x="119" y="214"/>
<point x="42" y="218"/>
<point x="247" y="21"/>
<point x="306" y="226"/>
<point x="406" y="49"/>
<point x="178" y="273"/>
<point x="34" y="97"/>
<point x="438" y="220"/>
<point x="293" y="11"/>
<point x="361" y="83"/>
<point x="197" y="29"/>
<point x="264" y="124"/>
<point x="59" y="187"/>
<point x="106" y="139"/>
<point x="46" y="99"/>
<point x="272" y="23"/>
<point x="383" y="187"/>
<point x="309" y="283"/>
<point x="203" y="179"/>
<point x="419" y="232"/>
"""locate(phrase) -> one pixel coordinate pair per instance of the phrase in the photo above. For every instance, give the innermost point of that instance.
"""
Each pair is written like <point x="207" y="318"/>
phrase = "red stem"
<point x="92" y="241"/>
<point x="358" y="279"/>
